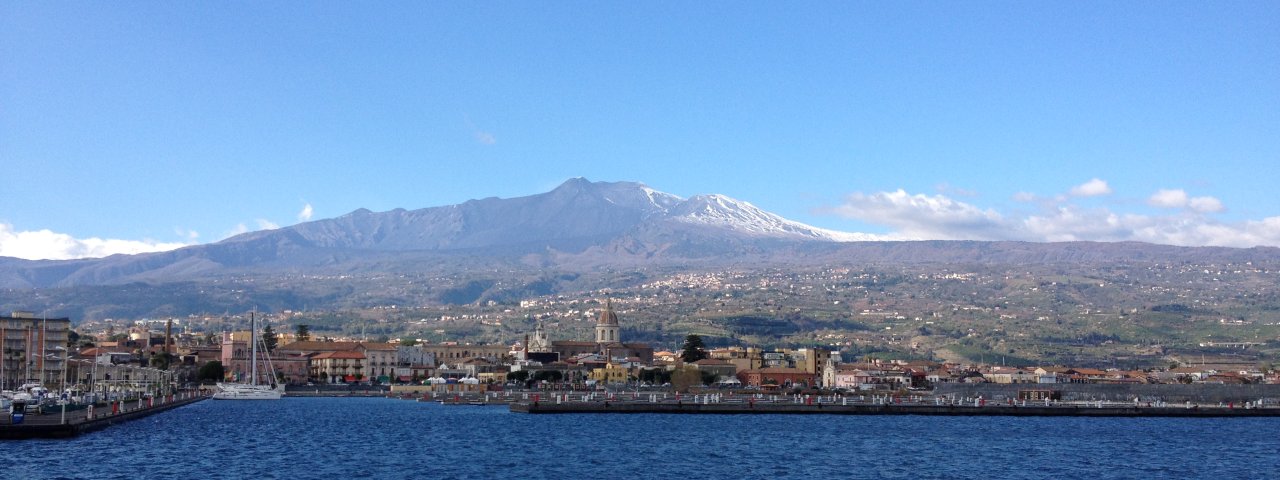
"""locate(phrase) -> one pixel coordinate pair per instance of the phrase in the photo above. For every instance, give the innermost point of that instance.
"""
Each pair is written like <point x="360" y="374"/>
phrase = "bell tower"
<point x="607" y="329"/>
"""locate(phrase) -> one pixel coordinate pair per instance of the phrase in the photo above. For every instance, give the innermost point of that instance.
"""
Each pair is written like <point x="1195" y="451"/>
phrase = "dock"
<point x="78" y="421"/>
<point x="801" y="405"/>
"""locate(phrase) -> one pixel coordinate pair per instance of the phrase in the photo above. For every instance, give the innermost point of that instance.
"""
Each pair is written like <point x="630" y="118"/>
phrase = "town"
<point x="153" y="356"/>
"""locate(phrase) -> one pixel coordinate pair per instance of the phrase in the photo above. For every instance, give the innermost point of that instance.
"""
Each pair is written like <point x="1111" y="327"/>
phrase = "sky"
<point x="141" y="126"/>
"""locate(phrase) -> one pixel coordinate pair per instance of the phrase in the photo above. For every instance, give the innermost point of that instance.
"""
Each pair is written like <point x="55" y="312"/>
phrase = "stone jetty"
<point x="835" y="405"/>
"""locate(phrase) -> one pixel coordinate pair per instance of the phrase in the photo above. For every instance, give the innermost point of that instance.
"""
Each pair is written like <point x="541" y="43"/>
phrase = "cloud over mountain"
<point x="50" y="245"/>
<point x="1185" y="221"/>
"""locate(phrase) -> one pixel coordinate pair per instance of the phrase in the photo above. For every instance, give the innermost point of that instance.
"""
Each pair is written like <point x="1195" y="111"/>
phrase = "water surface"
<point x="386" y="438"/>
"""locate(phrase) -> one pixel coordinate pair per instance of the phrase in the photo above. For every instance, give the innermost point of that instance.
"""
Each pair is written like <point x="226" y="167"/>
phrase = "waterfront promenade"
<point x="75" y="422"/>
<point x="874" y="405"/>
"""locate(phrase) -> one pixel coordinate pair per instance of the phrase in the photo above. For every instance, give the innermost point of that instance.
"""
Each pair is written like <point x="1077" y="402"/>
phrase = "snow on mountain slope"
<point x="725" y="212"/>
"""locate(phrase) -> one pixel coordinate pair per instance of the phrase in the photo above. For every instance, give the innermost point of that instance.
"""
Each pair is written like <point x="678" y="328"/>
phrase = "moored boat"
<point x="252" y="390"/>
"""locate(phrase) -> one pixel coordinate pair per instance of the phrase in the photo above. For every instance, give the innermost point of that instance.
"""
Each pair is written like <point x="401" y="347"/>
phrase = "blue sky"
<point x="130" y="126"/>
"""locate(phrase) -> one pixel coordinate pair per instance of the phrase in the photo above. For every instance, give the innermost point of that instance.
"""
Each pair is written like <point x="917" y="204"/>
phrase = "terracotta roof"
<point x="312" y="345"/>
<point x="1089" y="371"/>
<point x="315" y="346"/>
<point x="793" y="371"/>
<point x="339" y="355"/>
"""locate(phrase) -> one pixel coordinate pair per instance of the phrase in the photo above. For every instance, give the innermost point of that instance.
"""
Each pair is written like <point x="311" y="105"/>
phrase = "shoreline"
<point x="933" y="410"/>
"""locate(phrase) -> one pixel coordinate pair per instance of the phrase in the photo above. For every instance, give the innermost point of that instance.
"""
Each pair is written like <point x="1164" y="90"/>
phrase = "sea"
<point x="339" y="438"/>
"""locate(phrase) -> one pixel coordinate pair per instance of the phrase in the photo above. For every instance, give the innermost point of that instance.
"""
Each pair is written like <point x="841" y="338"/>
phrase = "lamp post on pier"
<point x="64" y="396"/>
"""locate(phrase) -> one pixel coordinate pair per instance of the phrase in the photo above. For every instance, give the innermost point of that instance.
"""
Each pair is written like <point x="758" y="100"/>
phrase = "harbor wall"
<point x="1172" y="393"/>
<point x="886" y="409"/>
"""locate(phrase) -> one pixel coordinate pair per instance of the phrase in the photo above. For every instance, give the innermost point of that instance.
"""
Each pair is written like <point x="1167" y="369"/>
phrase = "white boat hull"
<point x="241" y="391"/>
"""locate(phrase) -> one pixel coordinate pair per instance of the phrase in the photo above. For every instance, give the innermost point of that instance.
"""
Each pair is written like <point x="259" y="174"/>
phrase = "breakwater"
<point x="1171" y="393"/>
<point x="84" y="420"/>
<point x="887" y="405"/>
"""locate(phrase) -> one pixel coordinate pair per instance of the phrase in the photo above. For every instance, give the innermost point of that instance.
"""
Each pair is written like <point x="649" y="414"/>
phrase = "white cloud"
<point x="1177" y="198"/>
<point x="49" y="245"/>
<point x="305" y="214"/>
<point x="1205" y="205"/>
<point x="1092" y="188"/>
<point x="1058" y="220"/>
<point x="1168" y="199"/>
<point x="921" y="216"/>
<point x="264" y="224"/>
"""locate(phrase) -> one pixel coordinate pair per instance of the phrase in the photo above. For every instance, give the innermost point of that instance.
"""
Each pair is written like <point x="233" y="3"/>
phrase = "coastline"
<point x="888" y="409"/>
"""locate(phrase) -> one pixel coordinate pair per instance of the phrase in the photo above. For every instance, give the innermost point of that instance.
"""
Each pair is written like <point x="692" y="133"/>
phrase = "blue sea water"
<point x="385" y="438"/>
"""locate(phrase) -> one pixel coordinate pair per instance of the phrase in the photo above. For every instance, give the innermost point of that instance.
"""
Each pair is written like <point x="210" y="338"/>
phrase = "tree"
<point x="269" y="338"/>
<point x="211" y="371"/>
<point x="408" y="342"/>
<point x="302" y="332"/>
<point x="548" y="375"/>
<point x="694" y="350"/>
<point x="518" y="376"/>
<point x="655" y="376"/>
<point x="685" y="378"/>
<point x="162" y="360"/>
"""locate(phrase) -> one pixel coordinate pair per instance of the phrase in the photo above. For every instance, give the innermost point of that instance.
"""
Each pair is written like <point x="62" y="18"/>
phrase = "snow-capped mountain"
<point x="598" y="220"/>
<point x="578" y="226"/>
<point x="577" y="211"/>
<point x="739" y="216"/>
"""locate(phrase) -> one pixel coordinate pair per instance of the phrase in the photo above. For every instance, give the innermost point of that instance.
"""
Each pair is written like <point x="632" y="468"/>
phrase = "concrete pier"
<point x="52" y="425"/>
<point x="692" y="406"/>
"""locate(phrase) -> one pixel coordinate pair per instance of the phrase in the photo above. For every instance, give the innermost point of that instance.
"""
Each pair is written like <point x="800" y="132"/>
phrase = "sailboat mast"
<point x="253" y="340"/>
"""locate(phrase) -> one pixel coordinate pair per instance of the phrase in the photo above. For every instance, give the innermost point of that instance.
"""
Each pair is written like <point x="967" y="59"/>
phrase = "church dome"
<point x="607" y="317"/>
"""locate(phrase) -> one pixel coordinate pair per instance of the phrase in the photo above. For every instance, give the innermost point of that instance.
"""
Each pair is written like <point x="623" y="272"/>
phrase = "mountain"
<point x="578" y="226"/>
<point x="595" y="219"/>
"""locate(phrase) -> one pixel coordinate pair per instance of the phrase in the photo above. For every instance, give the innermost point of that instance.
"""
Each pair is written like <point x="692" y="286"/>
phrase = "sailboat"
<point x="252" y="390"/>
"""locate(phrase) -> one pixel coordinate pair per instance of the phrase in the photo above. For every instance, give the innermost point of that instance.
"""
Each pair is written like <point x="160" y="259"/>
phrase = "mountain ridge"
<point x="578" y="225"/>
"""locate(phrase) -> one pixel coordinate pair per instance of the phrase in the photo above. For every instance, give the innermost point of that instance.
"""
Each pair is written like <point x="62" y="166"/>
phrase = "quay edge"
<point x="936" y="410"/>
<point x="75" y="428"/>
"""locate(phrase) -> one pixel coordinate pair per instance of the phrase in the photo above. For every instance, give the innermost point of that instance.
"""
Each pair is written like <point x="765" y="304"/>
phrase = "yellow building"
<point x="610" y="374"/>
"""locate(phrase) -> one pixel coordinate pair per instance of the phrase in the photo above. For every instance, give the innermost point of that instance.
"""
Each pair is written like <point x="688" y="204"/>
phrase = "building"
<point x="238" y="364"/>
<point x="611" y="373"/>
<point x="810" y="359"/>
<point x="777" y="376"/>
<point x="376" y="362"/>
<point x="338" y="366"/>
<point x="608" y="341"/>
<point x="33" y="349"/>
<point x="412" y="362"/>
<point x="539" y="343"/>
<point x="722" y="369"/>
<point x="747" y="358"/>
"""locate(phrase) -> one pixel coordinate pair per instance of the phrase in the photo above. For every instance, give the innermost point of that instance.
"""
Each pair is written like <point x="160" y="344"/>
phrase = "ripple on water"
<point x="383" y="438"/>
